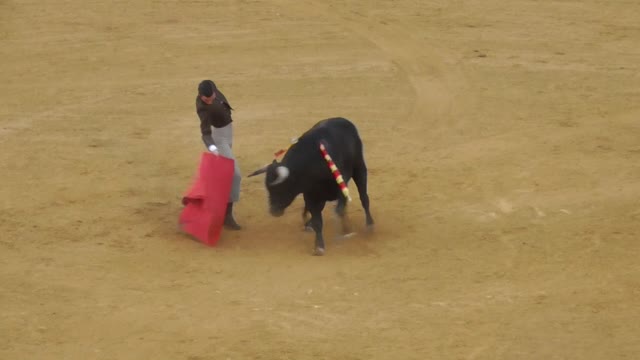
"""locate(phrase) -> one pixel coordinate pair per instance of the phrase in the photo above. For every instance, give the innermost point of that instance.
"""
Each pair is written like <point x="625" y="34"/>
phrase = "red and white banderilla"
<point x="336" y="172"/>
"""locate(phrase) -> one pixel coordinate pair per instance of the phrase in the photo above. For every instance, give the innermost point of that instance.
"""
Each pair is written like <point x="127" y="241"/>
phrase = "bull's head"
<point x="280" y="194"/>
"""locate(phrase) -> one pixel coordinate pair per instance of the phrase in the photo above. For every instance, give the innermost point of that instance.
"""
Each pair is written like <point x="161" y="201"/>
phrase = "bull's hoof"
<point x="318" y="252"/>
<point x="370" y="228"/>
<point x="308" y="229"/>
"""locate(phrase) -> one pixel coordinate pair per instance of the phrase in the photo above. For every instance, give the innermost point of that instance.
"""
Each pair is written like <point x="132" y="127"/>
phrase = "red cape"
<point x="206" y="201"/>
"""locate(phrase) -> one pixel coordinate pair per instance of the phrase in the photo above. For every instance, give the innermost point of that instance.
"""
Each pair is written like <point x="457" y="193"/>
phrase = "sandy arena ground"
<point x="503" y="144"/>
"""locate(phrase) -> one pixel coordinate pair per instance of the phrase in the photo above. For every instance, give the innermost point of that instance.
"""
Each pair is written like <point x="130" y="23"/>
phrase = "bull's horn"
<point x="283" y="173"/>
<point x="262" y="170"/>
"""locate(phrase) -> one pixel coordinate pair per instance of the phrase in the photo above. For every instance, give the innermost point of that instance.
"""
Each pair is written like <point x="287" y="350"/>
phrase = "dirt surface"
<point x="502" y="141"/>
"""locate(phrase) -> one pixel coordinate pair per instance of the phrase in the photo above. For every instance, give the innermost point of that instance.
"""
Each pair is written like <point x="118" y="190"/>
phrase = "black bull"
<point x="303" y="170"/>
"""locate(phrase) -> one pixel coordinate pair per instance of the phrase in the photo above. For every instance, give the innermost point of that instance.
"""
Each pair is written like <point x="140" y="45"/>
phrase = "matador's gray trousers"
<point x="223" y="138"/>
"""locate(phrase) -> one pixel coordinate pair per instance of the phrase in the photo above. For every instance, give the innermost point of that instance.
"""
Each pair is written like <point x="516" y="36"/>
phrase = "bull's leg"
<point x="360" y="178"/>
<point x="341" y="208"/>
<point x="306" y="221"/>
<point x="315" y="208"/>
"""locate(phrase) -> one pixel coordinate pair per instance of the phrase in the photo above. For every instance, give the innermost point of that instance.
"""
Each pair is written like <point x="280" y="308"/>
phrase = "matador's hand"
<point x="213" y="149"/>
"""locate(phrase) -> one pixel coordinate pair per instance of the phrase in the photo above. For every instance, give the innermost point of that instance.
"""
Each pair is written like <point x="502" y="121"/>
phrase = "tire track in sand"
<point x="432" y="81"/>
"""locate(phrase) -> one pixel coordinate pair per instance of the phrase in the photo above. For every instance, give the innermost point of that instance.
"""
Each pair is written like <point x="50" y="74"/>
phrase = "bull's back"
<point x="346" y="138"/>
<point x="344" y="146"/>
<point x="336" y="123"/>
<point x="340" y="136"/>
<point x="336" y="131"/>
<point x="343" y="142"/>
